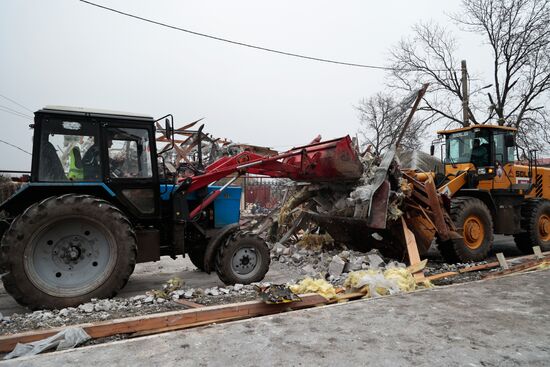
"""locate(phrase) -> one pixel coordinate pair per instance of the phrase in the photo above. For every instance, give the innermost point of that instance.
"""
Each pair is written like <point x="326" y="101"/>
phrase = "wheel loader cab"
<point x="486" y="151"/>
<point x="112" y="151"/>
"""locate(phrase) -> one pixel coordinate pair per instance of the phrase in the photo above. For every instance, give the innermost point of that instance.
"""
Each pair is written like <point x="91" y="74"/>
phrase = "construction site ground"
<point x="153" y="275"/>
<point x="497" y="322"/>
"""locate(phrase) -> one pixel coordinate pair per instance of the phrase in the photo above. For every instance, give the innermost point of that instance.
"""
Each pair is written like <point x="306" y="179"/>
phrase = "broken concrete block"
<point x="215" y="292"/>
<point x="189" y="293"/>
<point x="278" y="248"/>
<point x="297" y="257"/>
<point x="336" y="266"/>
<point x="103" y="305"/>
<point x="238" y="286"/>
<point x="375" y="261"/>
<point x="356" y="263"/>
<point x="87" y="307"/>
<point x="308" y="270"/>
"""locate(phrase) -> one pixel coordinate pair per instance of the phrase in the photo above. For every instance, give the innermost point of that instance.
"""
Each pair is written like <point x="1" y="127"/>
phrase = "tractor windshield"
<point x="65" y="151"/>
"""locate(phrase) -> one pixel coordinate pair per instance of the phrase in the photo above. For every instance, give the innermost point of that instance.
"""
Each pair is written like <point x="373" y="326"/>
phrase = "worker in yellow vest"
<point x="76" y="171"/>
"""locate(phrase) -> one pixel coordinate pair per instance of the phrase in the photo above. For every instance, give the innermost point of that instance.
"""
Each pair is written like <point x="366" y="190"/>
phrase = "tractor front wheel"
<point x="243" y="258"/>
<point x="196" y="255"/>
<point x="535" y="221"/>
<point x="65" y="250"/>
<point x="474" y="222"/>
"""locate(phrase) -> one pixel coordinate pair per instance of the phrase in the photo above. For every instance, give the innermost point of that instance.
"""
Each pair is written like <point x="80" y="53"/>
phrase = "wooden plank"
<point x="181" y="327"/>
<point x="537" y="252"/>
<point x="412" y="250"/>
<point x="502" y="261"/>
<point x="167" y="319"/>
<point x="529" y="265"/>
<point x="479" y="267"/>
<point x="442" y="275"/>
<point x="188" y="303"/>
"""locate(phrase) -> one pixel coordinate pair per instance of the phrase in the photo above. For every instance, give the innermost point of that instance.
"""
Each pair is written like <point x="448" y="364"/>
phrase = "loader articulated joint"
<point x="215" y="243"/>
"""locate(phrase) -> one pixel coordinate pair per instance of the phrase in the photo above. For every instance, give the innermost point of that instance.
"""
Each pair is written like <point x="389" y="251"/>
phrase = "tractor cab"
<point x="111" y="153"/>
<point x="484" y="149"/>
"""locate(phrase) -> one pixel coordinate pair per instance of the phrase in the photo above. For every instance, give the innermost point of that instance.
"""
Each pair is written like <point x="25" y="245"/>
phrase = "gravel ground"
<point x="292" y="262"/>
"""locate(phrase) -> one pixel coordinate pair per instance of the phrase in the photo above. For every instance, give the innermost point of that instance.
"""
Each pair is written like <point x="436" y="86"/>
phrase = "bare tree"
<point x="382" y="118"/>
<point x="518" y="35"/>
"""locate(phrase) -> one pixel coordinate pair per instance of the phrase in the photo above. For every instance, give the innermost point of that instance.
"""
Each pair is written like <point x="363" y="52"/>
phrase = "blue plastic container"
<point x="227" y="206"/>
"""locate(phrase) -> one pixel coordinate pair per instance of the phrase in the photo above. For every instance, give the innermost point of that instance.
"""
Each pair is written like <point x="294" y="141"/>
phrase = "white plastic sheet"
<point x="66" y="339"/>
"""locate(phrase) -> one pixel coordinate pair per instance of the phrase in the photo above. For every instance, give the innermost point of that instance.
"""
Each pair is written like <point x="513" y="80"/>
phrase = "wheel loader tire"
<point x="535" y="221"/>
<point x="243" y="258"/>
<point x="475" y="224"/>
<point x="65" y="250"/>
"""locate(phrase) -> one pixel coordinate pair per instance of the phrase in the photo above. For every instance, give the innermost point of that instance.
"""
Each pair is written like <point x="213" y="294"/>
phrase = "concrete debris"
<point x="336" y="266"/>
<point x="375" y="260"/>
<point x="87" y="307"/>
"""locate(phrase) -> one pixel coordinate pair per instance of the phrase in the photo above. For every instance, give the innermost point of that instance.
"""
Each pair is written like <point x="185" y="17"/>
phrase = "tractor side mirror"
<point x="509" y="141"/>
<point x="167" y="128"/>
<point x="432" y="150"/>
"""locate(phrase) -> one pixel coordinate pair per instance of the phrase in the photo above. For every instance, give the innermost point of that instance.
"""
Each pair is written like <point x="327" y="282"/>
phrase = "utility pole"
<point x="465" y="108"/>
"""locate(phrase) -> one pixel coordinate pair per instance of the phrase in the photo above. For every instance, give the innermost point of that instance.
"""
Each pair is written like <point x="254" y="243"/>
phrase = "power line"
<point x="16" y="114"/>
<point x="15" y="146"/>
<point x="15" y="111"/>
<point x="17" y="103"/>
<point x="245" y="44"/>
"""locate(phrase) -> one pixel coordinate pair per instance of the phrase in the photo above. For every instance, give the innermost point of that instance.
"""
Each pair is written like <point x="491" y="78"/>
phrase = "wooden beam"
<point x="188" y="303"/>
<point x="412" y="251"/>
<point x="442" y="275"/>
<point x="184" y="318"/>
<point x="529" y="265"/>
<point x="502" y="261"/>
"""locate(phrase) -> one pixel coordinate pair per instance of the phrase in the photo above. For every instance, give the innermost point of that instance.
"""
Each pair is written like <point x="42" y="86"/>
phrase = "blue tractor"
<point x="99" y="201"/>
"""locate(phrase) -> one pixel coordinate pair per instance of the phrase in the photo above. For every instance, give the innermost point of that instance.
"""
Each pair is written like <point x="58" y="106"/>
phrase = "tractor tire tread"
<point x="24" y="293"/>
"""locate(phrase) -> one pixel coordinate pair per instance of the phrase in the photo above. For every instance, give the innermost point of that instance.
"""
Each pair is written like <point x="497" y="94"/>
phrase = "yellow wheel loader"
<point x="491" y="193"/>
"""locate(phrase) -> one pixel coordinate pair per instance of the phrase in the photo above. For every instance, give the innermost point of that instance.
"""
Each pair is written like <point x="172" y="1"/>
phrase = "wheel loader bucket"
<point x="325" y="161"/>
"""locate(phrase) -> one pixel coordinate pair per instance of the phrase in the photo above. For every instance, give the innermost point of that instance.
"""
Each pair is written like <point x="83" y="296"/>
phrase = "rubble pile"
<point x="153" y="301"/>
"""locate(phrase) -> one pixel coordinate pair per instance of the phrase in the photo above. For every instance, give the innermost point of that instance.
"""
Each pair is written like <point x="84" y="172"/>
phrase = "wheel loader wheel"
<point x="243" y="258"/>
<point x="65" y="250"/>
<point x="535" y="220"/>
<point x="475" y="224"/>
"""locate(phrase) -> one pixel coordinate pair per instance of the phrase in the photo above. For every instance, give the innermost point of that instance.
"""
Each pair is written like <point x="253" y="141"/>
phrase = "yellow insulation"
<point x="319" y="286"/>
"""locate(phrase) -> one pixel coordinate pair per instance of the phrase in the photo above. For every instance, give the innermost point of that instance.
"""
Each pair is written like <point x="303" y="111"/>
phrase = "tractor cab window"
<point x="129" y="154"/>
<point x="63" y="148"/>
<point x="469" y="147"/>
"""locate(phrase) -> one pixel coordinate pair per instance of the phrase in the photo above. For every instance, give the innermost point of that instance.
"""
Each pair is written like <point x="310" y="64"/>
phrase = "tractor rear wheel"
<point x="65" y="250"/>
<point x="243" y="258"/>
<point x="475" y="224"/>
<point x="535" y="221"/>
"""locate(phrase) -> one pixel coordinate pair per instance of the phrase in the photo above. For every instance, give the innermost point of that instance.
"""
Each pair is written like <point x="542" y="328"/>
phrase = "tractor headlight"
<point x="481" y="171"/>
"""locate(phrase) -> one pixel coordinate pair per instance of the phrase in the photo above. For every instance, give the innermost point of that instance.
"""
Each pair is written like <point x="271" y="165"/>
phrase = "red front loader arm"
<point x="318" y="162"/>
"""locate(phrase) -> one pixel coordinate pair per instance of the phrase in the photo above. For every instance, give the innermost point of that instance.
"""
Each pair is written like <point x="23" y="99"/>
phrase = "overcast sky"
<point x="65" y="52"/>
